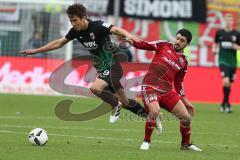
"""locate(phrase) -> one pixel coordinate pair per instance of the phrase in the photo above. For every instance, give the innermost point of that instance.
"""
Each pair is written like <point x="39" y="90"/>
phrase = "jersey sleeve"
<point x="238" y="38"/>
<point x="70" y="35"/>
<point x="104" y="27"/>
<point x="216" y="39"/>
<point x="145" y="45"/>
<point x="178" y="82"/>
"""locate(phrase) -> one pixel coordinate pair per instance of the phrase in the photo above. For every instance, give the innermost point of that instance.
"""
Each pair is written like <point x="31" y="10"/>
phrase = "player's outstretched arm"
<point x="144" y="45"/>
<point x="214" y="48"/>
<point x="236" y="46"/>
<point x="124" y="34"/>
<point x="58" y="43"/>
<point x="132" y="39"/>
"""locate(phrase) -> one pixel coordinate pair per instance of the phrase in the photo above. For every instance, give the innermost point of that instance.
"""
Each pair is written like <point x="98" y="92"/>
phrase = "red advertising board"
<point x="31" y="76"/>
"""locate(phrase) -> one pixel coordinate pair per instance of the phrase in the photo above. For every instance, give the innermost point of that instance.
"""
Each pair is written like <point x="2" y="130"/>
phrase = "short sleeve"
<point x="71" y="34"/>
<point x="216" y="39"/>
<point x="238" y="38"/>
<point x="104" y="27"/>
<point x="178" y="82"/>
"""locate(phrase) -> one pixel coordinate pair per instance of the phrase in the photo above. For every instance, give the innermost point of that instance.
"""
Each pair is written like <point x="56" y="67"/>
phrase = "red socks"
<point x="186" y="133"/>
<point x="150" y="125"/>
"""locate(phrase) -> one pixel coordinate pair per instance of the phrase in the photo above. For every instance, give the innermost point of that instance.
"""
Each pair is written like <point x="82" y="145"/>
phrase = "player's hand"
<point x="235" y="46"/>
<point x="214" y="52"/>
<point x="190" y="108"/>
<point x="28" y="52"/>
<point x="128" y="40"/>
<point x="134" y="38"/>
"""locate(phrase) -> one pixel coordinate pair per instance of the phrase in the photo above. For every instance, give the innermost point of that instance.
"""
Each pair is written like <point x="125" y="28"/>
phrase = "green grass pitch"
<point x="217" y="134"/>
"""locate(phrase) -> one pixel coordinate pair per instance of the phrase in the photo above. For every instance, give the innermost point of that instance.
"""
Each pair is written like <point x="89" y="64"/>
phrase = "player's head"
<point x="77" y="15"/>
<point x="229" y="20"/>
<point x="183" y="38"/>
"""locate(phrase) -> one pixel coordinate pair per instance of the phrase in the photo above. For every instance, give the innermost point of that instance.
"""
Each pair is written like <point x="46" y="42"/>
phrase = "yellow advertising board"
<point x="223" y="5"/>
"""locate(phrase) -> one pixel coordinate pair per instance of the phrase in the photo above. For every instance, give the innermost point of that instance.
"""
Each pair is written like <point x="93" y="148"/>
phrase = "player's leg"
<point x="180" y="111"/>
<point x="98" y="89"/>
<point x="136" y="108"/>
<point x="131" y="104"/>
<point x="226" y="83"/>
<point x="184" y="117"/>
<point x="153" y="108"/>
<point x="150" y="100"/>
<point x="231" y="78"/>
<point x="116" y="87"/>
<point x="226" y="92"/>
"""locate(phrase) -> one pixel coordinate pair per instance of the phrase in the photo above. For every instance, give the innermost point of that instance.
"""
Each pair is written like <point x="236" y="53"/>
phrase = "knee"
<point x="226" y="82"/>
<point x="186" y="121"/>
<point x="95" y="90"/>
<point x="126" y="102"/>
<point x="153" y="114"/>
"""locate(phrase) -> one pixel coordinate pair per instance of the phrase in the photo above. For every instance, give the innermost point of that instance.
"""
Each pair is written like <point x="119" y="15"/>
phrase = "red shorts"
<point x="166" y="100"/>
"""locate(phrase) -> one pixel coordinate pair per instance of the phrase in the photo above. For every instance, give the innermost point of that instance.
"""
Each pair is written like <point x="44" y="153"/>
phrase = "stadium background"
<point x="21" y="19"/>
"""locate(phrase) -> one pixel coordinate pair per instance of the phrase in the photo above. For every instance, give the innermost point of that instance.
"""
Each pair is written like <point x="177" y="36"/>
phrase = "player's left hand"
<point x="191" y="109"/>
<point x="128" y="40"/>
<point x="189" y="106"/>
<point x="235" y="46"/>
<point x="28" y="52"/>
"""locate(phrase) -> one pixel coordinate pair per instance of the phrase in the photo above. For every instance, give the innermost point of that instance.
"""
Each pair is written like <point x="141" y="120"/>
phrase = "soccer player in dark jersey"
<point x="163" y="86"/>
<point x="227" y="40"/>
<point x="95" y="36"/>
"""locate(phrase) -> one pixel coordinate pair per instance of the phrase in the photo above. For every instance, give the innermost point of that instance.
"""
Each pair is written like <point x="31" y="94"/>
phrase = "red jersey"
<point x="167" y="69"/>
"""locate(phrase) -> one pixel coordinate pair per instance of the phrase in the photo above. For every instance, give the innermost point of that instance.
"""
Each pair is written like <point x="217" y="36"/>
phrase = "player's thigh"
<point x="232" y="74"/>
<point x="169" y="100"/>
<point x="180" y="111"/>
<point x="225" y="73"/>
<point x="150" y="99"/>
<point x="122" y="96"/>
<point x="112" y="78"/>
<point x="226" y="81"/>
<point x="153" y="107"/>
<point x="116" y="72"/>
<point x="98" y="85"/>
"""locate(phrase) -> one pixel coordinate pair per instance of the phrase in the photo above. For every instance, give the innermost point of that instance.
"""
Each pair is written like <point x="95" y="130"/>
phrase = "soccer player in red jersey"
<point x="163" y="86"/>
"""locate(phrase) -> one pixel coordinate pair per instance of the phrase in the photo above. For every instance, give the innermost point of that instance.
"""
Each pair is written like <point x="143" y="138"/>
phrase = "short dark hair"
<point x="186" y="33"/>
<point x="76" y="9"/>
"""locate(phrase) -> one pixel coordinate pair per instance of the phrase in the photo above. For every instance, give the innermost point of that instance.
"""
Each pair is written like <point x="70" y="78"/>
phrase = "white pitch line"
<point x="115" y="130"/>
<point x="123" y="118"/>
<point x="86" y="137"/>
<point x="118" y="139"/>
<point x="27" y="117"/>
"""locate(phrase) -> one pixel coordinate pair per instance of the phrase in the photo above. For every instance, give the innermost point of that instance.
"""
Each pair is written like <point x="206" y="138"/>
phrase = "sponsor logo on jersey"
<point x="92" y="36"/>
<point x="169" y="51"/>
<point x="226" y="44"/>
<point x="91" y="45"/>
<point x="171" y="63"/>
<point x="180" y="60"/>
<point x="234" y="38"/>
<point x="107" y="25"/>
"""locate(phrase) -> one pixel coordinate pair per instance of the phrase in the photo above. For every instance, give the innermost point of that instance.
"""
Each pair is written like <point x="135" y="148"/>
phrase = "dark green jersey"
<point x="96" y="38"/>
<point x="227" y="55"/>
